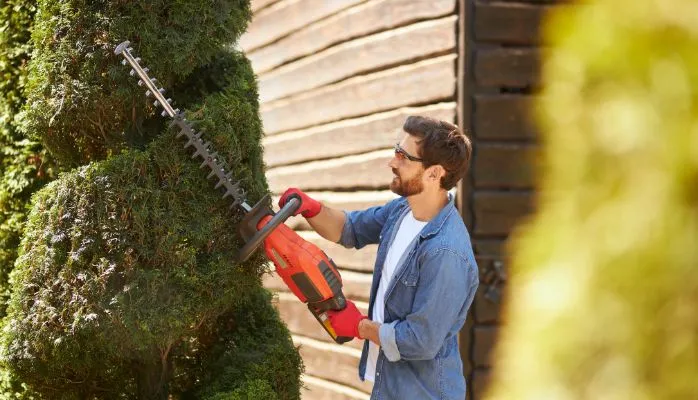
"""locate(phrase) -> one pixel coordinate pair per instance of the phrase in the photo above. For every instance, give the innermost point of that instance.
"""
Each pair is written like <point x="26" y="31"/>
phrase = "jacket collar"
<point x="436" y="223"/>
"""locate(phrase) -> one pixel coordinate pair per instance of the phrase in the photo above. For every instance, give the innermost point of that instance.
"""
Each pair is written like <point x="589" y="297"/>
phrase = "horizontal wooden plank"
<point x="321" y="389"/>
<point x="486" y="263"/>
<point x="485" y="310"/>
<point x="504" y="166"/>
<point x="507" y="67"/>
<point x="357" y="260"/>
<point x="353" y="200"/>
<point x="496" y="213"/>
<point x="379" y="51"/>
<point x="509" y="23"/>
<point x="484" y="340"/>
<point x="368" y="170"/>
<point x="347" y="201"/>
<point x="490" y="247"/>
<point x="428" y="81"/>
<point x="481" y="378"/>
<point x="257" y="5"/>
<point x="491" y="293"/>
<point x="300" y="320"/>
<point x="538" y="1"/>
<point x="364" y="19"/>
<point x="347" y="137"/>
<point x="504" y="117"/>
<point x="286" y="16"/>
<point x="332" y="362"/>
<point x="355" y="285"/>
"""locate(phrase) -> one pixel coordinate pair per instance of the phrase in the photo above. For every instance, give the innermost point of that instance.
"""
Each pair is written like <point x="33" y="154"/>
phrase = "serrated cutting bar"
<point x="202" y="149"/>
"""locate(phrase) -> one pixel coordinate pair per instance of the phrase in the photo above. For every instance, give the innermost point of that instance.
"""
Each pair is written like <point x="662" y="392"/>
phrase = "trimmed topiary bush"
<point x="126" y="285"/>
<point x="24" y="165"/>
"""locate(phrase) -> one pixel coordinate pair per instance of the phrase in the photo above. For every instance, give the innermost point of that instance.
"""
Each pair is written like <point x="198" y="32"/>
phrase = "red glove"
<point x="346" y="322"/>
<point x="309" y="207"/>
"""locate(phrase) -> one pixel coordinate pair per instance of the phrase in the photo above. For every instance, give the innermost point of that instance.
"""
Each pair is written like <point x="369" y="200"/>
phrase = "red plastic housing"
<point x="305" y="269"/>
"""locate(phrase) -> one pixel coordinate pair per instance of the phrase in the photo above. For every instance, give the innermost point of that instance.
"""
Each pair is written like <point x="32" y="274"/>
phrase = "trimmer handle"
<point x="249" y="224"/>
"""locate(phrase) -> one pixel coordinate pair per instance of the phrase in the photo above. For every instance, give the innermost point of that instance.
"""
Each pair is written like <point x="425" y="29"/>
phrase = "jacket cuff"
<point x="386" y="333"/>
<point x="346" y="239"/>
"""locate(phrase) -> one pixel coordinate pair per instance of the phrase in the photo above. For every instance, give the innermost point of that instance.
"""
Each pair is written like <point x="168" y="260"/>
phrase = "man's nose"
<point x="393" y="162"/>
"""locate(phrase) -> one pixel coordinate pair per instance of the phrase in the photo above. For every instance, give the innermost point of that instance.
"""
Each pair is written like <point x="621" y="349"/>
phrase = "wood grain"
<point x="256" y="5"/>
<point x="485" y="338"/>
<point x="481" y="378"/>
<point x="332" y="362"/>
<point x="357" y="260"/>
<point x="355" y="285"/>
<point x="504" y="166"/>
<point x="286" y="16"/>
<point x="369" y="53"/>
<point x="321" y="389"/>
<point x="497" y="213"/>
<point x="509" y="23"/>
<point x="346" y="201"/>
<point x="507" y="67"/>
<point x="368" y="170"/>
<point x="504" y="117"/>
<point x="424" y="82"/>
<point x="362" y="20"/>
<point x="302" y="322"/>
<point x="347" y="137"/>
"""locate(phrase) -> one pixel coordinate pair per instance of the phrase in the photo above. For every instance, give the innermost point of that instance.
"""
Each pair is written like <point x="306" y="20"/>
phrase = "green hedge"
<point x="78" y="103"/>
<point x="125" y="286"/>
<point x="24" y="165"/>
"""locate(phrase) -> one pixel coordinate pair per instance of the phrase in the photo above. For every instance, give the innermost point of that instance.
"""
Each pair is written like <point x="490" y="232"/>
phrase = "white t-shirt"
<point x="408" y="230"/>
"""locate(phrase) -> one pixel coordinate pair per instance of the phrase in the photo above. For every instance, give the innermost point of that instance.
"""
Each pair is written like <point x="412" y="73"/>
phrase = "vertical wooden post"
<point x="464" y="113"/>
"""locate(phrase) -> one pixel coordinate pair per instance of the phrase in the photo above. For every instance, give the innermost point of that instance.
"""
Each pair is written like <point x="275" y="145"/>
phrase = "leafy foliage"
<point x="604" y="284"/>
<point x="77" y="103"/>
<point x="24" y="165"/>
<point x="126" y="285"/>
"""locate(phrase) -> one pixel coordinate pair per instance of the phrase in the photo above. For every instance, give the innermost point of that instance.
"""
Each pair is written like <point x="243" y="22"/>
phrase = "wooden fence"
<point x="499" y="77"/>
<point x="337" y="79"/>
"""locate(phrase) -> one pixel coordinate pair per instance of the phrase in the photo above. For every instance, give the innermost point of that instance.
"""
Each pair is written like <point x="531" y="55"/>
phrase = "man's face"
<point x="407" y="174"/>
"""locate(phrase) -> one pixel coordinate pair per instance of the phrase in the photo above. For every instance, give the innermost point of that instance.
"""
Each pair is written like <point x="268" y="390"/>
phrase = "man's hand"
<point x="309" y="206"/>
<point x="346" y="322"/>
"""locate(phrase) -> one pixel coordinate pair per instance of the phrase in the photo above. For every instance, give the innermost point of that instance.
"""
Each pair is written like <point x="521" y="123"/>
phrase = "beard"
<point x="406" y="188"/>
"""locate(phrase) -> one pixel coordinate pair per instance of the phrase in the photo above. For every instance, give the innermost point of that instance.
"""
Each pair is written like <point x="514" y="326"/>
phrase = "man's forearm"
<point x="328" y="223"/>
<point x="369" y="330"/>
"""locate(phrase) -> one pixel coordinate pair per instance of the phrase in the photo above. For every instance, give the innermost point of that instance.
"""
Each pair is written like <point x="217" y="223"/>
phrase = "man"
<point x="425" y="274"/>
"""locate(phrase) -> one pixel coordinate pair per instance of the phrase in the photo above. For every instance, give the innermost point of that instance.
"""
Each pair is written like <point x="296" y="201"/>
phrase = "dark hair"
<point x="441" y="143"/>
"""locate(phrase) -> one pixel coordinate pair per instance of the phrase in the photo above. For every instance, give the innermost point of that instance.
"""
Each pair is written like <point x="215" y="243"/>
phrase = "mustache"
<point x="395" y="172"/>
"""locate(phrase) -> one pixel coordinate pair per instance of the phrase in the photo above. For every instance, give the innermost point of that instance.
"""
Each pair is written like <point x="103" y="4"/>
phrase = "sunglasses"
<point x="401" y="154"/>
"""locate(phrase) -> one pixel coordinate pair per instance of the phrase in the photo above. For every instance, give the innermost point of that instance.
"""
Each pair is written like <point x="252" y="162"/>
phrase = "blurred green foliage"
<point x="24" y="164"/>
<point x="125" y="284"/>
<point x="604" y="283"/>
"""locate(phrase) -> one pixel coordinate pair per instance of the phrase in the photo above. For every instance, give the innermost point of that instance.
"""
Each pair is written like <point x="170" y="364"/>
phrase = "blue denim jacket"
<point x="426" y="302"/>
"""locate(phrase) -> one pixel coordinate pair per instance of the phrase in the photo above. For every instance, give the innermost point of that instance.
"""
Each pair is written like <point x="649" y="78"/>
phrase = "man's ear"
<point x="436" y="172"/>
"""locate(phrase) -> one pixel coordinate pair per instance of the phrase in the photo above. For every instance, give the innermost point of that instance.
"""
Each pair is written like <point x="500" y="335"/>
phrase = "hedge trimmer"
<point x="306" y="270"/>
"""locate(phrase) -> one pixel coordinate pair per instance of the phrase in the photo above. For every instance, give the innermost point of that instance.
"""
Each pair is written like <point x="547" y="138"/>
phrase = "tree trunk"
<point x="153" y="378"/>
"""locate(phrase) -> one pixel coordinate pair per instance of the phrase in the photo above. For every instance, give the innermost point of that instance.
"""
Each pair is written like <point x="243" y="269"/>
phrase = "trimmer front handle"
<point x="248" y="226"/>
